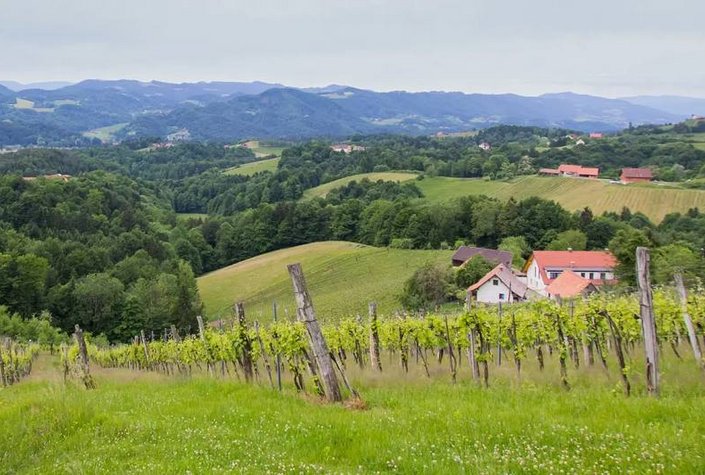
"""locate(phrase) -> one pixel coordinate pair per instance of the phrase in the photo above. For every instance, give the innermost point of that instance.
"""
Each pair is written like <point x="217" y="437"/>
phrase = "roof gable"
<point x="637" y="173"/>
<point x="569" y="284"/>
<point x="506" y="276"/>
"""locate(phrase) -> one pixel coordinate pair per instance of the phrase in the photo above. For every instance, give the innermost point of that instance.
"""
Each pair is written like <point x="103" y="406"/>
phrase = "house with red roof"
<point x="578" y="171"/>
<point x="500" y="285"/>
<point x="636" y="175"/>
<point x="570" y="285"/>
<point x="544" y="267"/>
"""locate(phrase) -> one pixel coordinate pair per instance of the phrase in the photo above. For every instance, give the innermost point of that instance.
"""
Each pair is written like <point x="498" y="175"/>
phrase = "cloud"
<point x="602" y="47"/>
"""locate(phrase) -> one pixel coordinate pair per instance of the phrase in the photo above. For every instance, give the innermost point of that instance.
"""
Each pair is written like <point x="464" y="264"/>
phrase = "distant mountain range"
<point x="91" y="110"/>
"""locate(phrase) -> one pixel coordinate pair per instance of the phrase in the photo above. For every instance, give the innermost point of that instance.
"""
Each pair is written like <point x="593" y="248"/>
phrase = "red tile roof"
<point x="569" y="284"/>
<point x="637" y="173"/>
<point x="578" y="170"/>
<point x="588" y="260"/>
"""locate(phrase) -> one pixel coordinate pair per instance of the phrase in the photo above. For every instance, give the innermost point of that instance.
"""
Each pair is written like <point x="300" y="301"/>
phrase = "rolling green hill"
<point x="655" y="201"/>
<point x="342" y="278"/>
<point x="322" y="190"/>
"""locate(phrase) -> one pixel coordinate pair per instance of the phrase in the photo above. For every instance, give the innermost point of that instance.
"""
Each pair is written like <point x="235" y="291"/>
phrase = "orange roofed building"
<point x="569" y="285"/>
<point x="636" y="175"/>
<point x="544" y="267"/>
<point x="578" y="171"/>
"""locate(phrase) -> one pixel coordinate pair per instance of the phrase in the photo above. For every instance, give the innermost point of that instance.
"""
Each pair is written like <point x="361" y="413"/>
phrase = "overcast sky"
<point x="604" y="47"/>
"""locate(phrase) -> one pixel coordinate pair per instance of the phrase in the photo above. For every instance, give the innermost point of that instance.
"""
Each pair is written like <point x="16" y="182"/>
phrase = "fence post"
<point x="646" y="311"/>
<point x="375" y="361"/>
<point x="83" y="359"/>
<point x="683" y="297"/>
<point x="319" y="347"/>
<point x="278" y="356"/>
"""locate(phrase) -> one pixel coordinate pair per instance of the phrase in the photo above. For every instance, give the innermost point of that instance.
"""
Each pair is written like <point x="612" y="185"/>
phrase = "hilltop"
<point x="342" y="276"/>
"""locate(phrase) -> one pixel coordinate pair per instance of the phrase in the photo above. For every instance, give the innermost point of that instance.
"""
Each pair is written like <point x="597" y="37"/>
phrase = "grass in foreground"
<point x="573" y="194"/>
<point x="342" y="277"/>
<point x="149" y="423"/>
<point x="249" y="169"/>
<point x="322" y="190"/>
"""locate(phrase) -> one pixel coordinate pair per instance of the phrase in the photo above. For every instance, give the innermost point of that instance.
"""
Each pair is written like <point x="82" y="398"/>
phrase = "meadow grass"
<point x="342" y="277"/>
<point x="655" y="201"/>
<point x="322" y="190"/>
<point x="105" y="134"/>
<point x="146" y="422"/>
<point x="249" y="169"/>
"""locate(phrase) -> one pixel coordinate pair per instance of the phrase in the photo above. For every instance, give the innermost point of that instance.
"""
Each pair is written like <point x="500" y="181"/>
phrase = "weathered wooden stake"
<point x="648" y="323"/>
<point x="246" y="360"/>
<point x="319" y="347"/>
<point x="83" y="359"/>
<point x="375" y="360"/>
<point x="451" y="355"/>
<point x="202" y="334"/>
<point x="683" y="297"/>
<point x="2" y="369"/>
<point x="278" y="357"/>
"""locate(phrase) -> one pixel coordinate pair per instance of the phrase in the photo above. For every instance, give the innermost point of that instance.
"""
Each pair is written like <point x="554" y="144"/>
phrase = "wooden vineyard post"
<point x="146" y="349"/>
<point x="683" y="297"/>
<point x="646" y="311"/>
<point x="278" y="358"/>
<point x="319" y="347"/>
<point x="83" y="359"/>
<point x="451" y="356"/>
<point x="175" y="334"/>
<point x="471" y="345"/>
<point x="202" y="334"/>
<point x="264" y="354"/>
<point x="2" y="369"/>
<point x="246" y="361"/>
<point x="375" y="360"/>
<point x="499" y="332"/>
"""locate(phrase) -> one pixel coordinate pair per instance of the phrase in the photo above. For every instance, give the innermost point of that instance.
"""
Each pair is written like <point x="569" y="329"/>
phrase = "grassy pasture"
<point x="249" y="169"/>
<point x="105" y="134"/>
<point x="29" y="105"/>
<point x="140" y="422"/>
<point x="573" y="194"/>
<point x="343" y="277"/>
<point x="322" y="190"/>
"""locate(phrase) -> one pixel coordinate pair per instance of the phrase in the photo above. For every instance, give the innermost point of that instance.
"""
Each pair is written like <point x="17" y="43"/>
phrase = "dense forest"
<point x="107" y="249"/>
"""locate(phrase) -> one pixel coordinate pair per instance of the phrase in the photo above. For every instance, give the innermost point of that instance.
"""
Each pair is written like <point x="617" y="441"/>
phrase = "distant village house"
<point x="493" y="256"/>
<point x="636" y="175"/>
<point x="570" y="285"/>
<point x="485" y="146"/>
<point x="575" y="171"/>
<point x="56" y="177"/>
<point x="346" y="148"/>
<point x="545" y="267"/>
<point x="500" y="285"/>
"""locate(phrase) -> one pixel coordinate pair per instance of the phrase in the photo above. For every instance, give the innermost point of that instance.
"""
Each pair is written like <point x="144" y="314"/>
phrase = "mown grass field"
<point x="342" y="277"/>
<point x="249" y="169"/>
<point x="573" y="194"/>
<point x="322" y="190"/>
<point x="105" y="134"/>
<point x="136" y="422"/>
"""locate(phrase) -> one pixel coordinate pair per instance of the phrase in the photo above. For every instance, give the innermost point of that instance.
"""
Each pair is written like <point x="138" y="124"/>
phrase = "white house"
<point x="543" y="267"/>
<point x="499" y="285"/>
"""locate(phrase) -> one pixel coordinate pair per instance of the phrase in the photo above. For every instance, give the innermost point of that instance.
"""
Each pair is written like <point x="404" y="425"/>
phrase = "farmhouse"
<point x="578" y="171"/>
<point x="596" y="135"/>
<point x="485" y="146"/>
<point x="569" y="285"/>
<point x="346" y="148"/>
<point x="549" y="172"/>
<point x="636" y="175"/>
<point x="465" y="253"/>
<point x="499" y="285"/>
<point x="544" y="267"/>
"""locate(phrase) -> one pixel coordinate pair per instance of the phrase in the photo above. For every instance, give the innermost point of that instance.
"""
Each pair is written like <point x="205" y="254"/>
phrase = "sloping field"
<point x="322" y="190"/>
<point x="653" y="200"/>
<point x="342" y="278"/>
<point x="249" y="169"/>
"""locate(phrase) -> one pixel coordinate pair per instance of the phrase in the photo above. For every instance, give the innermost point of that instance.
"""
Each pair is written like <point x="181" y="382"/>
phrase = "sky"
<point x="610" y="48"/>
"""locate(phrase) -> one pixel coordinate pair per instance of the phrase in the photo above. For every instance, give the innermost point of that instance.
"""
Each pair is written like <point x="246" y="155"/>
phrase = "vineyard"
<point x="15" y="361"/>
<point x="601" y="331"/>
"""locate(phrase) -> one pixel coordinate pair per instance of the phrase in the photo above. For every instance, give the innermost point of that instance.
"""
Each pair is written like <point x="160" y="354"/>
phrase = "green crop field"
<point x="322" y="190"/>
<point x="343" y="277"/>
<point x="105" y="134"/>
<point x="146" y="422"/>
<point x="249" y="169"/>
<point x="655" y="201"/>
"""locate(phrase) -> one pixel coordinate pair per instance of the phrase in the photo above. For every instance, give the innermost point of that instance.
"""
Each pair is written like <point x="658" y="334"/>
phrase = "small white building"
<point x="499" y="285"/>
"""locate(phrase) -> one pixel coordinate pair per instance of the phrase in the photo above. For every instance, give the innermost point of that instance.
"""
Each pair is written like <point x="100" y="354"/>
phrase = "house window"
<point x="582" y="274"/>
<point x="495" y="282"/>
<point x="592" y="276"/>
<point x="501" y="296"/>
<point x="603" y="276"/>
<point x="553" y="274"/>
